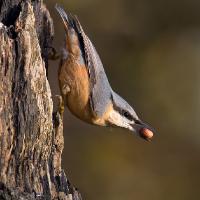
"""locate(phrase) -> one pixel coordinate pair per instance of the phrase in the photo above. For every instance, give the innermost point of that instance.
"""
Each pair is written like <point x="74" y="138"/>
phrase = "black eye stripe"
<point x="127" y="115"/>
<point x="137" y="122"/>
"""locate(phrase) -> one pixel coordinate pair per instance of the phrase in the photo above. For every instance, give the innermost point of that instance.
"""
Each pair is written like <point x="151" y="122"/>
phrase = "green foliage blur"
<point x="151" y="53"/>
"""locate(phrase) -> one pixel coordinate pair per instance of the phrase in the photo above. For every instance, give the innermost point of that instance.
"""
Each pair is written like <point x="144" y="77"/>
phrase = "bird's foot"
<point x="65" y="89"/>
<point x="53" y="54"/>
<point x="61" y="107"/>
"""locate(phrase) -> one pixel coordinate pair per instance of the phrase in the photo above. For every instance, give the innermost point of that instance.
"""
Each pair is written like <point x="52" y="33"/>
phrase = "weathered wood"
<point x="31" y="135"/>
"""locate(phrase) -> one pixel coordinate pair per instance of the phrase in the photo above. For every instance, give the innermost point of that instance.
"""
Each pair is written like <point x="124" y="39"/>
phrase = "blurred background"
<point x="151" y="53"/>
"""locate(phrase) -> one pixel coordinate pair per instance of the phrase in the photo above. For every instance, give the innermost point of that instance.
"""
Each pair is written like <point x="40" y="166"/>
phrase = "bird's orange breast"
<point x="75" y="76"/>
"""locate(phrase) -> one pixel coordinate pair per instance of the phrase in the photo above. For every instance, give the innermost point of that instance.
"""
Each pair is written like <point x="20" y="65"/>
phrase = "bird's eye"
<point x="127" y="115"/>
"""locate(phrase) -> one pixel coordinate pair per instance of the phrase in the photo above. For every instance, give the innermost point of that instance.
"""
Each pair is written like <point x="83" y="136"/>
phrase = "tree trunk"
<point x="31" y="135"/>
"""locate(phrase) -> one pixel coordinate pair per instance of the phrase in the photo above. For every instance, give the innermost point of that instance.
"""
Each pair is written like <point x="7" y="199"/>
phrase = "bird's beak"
<point x="143" y="130"/>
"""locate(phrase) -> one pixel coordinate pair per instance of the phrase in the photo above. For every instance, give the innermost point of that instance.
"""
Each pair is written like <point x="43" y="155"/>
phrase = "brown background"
<point x="151" y="53"/>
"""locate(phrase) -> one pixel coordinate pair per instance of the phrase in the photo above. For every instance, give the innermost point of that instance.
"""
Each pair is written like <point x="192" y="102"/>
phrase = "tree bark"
<point x="31" y="135"/>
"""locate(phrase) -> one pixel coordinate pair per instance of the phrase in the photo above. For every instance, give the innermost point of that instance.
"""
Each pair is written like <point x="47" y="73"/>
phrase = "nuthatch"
<point x="84" y="85"/>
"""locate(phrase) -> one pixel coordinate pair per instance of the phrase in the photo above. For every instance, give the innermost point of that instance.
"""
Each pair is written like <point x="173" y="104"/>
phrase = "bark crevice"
<point x="31" y="135"/>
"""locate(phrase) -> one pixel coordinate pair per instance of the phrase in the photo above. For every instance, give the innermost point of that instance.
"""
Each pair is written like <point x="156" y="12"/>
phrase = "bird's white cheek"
<point x="115" y="118"/>
<point x="130" y="127"/>
<point x="118" y="120"/>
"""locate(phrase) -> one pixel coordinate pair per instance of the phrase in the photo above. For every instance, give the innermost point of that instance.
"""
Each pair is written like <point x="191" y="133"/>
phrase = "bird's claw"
<point x="60" y="105"/>
<point x="53" y="54"/>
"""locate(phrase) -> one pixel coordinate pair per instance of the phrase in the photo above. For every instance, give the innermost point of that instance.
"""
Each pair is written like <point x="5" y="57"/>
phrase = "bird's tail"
<point x="69" y="20"/>
<point x="71" y="27"/>
<point x="64" y="17"/>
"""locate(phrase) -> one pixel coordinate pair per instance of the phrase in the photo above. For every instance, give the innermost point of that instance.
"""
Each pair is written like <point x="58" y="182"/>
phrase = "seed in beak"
<point x="146" y="133"/>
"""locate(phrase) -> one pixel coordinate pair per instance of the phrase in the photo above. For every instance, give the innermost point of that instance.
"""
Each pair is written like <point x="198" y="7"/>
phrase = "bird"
<point x="84" y="85"/>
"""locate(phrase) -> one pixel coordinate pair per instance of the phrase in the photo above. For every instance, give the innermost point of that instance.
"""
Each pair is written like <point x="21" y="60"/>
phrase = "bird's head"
<point x="123" y="115"/>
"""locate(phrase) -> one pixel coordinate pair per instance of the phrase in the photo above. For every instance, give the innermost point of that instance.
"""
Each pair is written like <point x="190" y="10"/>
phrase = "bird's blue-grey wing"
<point x="100" y="90"/>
